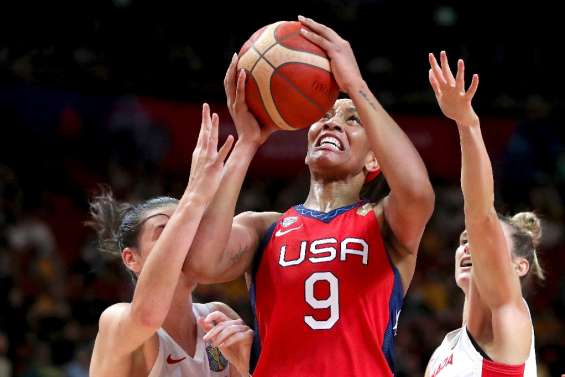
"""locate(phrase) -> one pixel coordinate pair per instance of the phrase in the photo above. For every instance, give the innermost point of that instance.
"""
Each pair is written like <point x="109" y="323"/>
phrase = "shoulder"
<point x="257" y="218"/>
<point x="113" y="314"/>
<point x="257" y="222"/>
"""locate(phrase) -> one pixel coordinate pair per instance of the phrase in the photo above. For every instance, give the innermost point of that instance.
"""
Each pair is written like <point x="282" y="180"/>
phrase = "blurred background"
<point x="100" y="91"/>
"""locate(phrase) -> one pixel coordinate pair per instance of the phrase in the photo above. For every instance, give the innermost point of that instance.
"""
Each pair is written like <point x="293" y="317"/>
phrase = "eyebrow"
<point x="142" y="222"/>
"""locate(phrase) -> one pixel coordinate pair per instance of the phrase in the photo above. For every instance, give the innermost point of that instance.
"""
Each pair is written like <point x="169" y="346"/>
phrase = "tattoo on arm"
<point x="364" y="95"/>
<point x="236" y="256"/>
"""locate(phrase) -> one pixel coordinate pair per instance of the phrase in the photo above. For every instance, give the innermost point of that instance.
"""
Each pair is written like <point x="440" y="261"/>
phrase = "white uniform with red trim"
<point x="172" y="360"/>
<point x="457" y="356"/>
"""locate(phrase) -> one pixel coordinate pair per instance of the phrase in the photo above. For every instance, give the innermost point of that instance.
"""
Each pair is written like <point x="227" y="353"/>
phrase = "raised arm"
<point x="224" y="246"/>
<point x="492" y="265"/>
<point x="410" y="203"/>
<point x="125" y="327"/>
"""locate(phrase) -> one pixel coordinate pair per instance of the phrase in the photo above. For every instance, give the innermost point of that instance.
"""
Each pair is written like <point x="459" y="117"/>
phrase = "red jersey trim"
<point x="494" y="369"/>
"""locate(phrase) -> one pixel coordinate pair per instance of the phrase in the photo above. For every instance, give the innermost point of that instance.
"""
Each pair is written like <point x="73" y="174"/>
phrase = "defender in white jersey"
<point x="496" y="255"/>
<point x="160" y="333"/>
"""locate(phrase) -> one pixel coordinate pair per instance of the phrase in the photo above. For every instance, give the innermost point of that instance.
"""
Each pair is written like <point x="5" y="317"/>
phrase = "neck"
<point x="180" y="322"/>
<point x="325" y="195"/>
<point x="466" y="309"/>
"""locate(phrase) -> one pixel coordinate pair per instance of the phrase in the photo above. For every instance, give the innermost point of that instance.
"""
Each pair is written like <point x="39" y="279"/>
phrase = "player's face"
<point x="152" y="226"/>
<point x="337" y="143"/>
<point x="463" y="262"/>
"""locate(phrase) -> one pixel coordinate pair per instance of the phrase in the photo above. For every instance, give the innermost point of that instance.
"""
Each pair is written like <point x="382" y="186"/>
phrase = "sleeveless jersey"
<point x="172" y="360"/>
<point x="458" y="356"/>
<point x="326" y="296"/>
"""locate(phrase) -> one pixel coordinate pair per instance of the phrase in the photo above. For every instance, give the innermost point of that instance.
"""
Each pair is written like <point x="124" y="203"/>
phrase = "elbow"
<point x="422" y="197"/>
<point x="202" y="273"/>
<point x="199" y="270"/>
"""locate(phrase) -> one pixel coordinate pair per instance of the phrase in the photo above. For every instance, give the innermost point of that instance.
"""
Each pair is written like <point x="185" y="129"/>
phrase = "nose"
<point x="331" y="125"/>
<point x="466" y="250"/>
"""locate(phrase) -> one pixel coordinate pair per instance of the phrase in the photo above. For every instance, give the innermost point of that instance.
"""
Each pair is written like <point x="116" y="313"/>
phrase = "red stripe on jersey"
<point x="323" y="288"/>
<point x="494" y="369"/>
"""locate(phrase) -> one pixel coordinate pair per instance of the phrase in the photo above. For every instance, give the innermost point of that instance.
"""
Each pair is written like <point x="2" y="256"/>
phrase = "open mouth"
<point x="330" y="142"/>
<point x="466" y="262"/>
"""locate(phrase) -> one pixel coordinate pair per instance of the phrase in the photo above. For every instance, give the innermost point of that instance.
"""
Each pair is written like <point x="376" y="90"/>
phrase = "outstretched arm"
<point x="493" y="275"/>
<point x="411" y="201"/>
<point x="492" y="272"/>
<point x="224" y="246"/>
<point x="124" y="327"/>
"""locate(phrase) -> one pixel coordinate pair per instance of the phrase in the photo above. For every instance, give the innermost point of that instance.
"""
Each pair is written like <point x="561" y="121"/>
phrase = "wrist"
<point x="246" y="146"/>
<point x="194" y="201"/>
<point x="471" y="121"/>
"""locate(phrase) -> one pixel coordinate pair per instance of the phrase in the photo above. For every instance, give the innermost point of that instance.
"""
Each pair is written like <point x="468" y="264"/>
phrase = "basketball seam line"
<point x="261" y="55"/>
<point x="275" y="70"/>
<point x="278" y="42"/>
<point x="269" y="115"/>
<point x="288" y="36"/>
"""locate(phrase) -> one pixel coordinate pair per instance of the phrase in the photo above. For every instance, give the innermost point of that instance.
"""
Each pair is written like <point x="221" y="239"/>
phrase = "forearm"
<point x="399" y="160"/>
<point x="476" y="174"/>
<point x="161" y="271"/>
<point x="215" y="228"/>
<point x="492" y="266"/>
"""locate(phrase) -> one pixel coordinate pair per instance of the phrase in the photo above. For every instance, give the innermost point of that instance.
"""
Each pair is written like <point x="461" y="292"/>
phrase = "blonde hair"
<point x="526" y="238"/>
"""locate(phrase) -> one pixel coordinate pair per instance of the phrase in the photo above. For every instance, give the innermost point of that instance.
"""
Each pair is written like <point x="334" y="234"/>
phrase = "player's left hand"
<point x="232" y="337"/>
<point x="342" y="59"/>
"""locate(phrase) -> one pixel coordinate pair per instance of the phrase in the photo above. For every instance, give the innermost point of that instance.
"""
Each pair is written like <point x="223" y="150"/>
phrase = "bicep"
<point x="406" y="222"/>
<point x="245" y="236"/>
<point x="402" y="235"/>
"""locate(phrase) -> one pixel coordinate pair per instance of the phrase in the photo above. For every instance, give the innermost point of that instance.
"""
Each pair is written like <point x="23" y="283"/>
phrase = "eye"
<point x="157" y="231"/>
<point x="463" y="239"/>
<point x="327" y="115"/>
<point x="354" y="118"/>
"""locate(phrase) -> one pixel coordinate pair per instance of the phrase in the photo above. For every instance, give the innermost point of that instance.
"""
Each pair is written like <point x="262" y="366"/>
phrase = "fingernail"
<point x="303" y="31"/>
<point x="234" y="56"/>
<point x="301" y="18"/>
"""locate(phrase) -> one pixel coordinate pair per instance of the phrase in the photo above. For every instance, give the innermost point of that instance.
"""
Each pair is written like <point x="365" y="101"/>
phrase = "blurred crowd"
<point x="54" y="283"/>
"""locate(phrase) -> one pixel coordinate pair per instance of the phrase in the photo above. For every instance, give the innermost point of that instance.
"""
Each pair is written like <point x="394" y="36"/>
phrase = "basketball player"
<point x="494" y="257"/>
<point x="327" y="278"/>
<point x="156" y="334"/>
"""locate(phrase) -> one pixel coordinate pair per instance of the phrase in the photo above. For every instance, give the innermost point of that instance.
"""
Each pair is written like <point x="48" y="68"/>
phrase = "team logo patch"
<point x="288" y="221"/>
<point x="216" y="360"/>
<point x="365" y="209"/>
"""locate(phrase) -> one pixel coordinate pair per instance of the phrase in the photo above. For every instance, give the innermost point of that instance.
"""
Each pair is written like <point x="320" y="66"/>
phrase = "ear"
<point x="521" y="266"/>
<point x="371" y="163"/>
<point x="132" y="260"/>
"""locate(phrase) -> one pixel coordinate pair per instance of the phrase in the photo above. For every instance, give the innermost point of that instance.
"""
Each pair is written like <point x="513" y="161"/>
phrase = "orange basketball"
<point x="289" y="83"/>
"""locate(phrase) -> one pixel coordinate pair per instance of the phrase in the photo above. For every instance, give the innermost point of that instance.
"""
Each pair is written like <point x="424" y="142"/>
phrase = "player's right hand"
<point x="454" y="101"/>
<point x="207" y="165"/>
<point x="232" y="337"/>
<point x="248" y="128"/>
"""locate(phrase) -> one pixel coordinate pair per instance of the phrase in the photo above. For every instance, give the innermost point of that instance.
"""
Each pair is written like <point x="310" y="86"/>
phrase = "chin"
<point x="462" y="279"/>
<point x="326" y="165"/>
